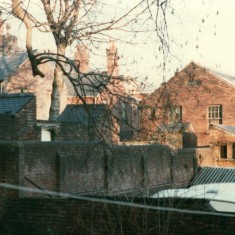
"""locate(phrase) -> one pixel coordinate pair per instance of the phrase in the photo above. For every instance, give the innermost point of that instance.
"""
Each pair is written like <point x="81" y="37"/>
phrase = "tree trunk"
<point x="57" y="88"/>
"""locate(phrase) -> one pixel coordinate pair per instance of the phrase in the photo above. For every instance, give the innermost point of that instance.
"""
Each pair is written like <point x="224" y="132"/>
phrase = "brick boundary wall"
<point x="76" y="217"/>
<point x="81" y="168"/>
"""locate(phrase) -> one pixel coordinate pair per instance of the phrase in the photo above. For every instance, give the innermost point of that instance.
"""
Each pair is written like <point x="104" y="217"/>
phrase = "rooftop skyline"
<point x="200" y="31"/>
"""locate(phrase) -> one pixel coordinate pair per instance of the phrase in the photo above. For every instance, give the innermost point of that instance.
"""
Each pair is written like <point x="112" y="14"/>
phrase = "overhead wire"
<point x="115" y="202"/>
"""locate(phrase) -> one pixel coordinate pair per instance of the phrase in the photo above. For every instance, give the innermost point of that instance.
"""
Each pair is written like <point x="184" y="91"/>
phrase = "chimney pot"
<point x="1" y="24"/>
<point x="112" y="60"/>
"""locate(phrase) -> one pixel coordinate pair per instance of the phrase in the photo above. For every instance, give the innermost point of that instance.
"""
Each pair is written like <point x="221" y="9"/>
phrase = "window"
<point x="46" y="135"/>
<point x="223" y="150"/>
<point x="215" y="114"/>
<point x="227" y="150"/>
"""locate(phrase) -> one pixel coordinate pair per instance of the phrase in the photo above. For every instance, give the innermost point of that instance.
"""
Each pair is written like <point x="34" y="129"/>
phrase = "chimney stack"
<point x="1" y="24"/>
<point x="112" y="60"/>
<point x="81" y="57"/>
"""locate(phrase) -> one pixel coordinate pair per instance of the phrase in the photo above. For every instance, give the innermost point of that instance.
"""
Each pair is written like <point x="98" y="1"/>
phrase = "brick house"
<point x="77" y="122"/>
<point x="195" y="108"/>
<point x="16" y="74"/>
<point x="121" y="94"/>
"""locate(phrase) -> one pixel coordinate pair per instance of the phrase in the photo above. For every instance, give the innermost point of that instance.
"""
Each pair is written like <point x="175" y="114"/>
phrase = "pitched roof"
<point x="10" y="63"/>
<point x="13" y="103"/>
<point x="90" y="84"/>
<point x="229" y="79"/>
<point x="211" y="175"/>
<point x="228" y="129"/>
<point x="83" y="114"/>
<point x="225" y="77"/>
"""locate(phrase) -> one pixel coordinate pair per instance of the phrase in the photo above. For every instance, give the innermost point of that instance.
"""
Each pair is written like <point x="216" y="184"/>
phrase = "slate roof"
<point x="83" y="114"/>
<point x="90" y="84"/>
<point x="211" y="175"/>
<point x="227" y="129"/>
<point x="10" y="63"/>
<point x="227" y="78"/>
<point x="13" y="103"/>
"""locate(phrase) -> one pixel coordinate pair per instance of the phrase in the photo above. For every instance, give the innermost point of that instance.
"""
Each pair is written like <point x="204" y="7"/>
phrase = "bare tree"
<point x="77" y="20"/>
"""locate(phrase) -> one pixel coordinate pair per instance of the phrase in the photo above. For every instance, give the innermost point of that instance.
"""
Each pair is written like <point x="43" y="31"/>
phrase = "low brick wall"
<point x="70" y="217"/>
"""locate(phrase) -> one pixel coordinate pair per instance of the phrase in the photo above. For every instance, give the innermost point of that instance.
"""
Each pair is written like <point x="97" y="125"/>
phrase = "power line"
<point x="113" y="202"/>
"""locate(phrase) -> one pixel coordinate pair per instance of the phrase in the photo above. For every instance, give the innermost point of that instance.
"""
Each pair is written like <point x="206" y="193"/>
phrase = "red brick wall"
<point x="220" y="136"/>
<point x="208" y="156"/>
<point x="194" y="100"/>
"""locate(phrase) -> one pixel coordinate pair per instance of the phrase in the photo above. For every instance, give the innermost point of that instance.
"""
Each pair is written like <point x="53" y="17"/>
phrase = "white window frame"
<point x="46" y="134"/>
<point x="214" y="114"/>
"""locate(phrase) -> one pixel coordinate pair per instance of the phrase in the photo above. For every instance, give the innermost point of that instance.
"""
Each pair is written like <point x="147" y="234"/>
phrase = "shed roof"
<point x="221" y="196"/>
<point x="83" y="114"/>
<point x="13" y="103"/>
<point x="211" y="175"/>
<point x="10" y="63"/>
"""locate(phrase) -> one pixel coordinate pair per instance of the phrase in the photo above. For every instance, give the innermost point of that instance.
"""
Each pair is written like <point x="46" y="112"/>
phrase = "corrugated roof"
<point x="83" y="114"/>
<point x="211" y="175"/>
<point x="13" y="103"/>
<point x="10" y="63"/>
<point x="225" y="128"/>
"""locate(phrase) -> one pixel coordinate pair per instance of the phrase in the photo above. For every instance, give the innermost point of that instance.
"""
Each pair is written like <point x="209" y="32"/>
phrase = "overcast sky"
<point x="199" y="30"/>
